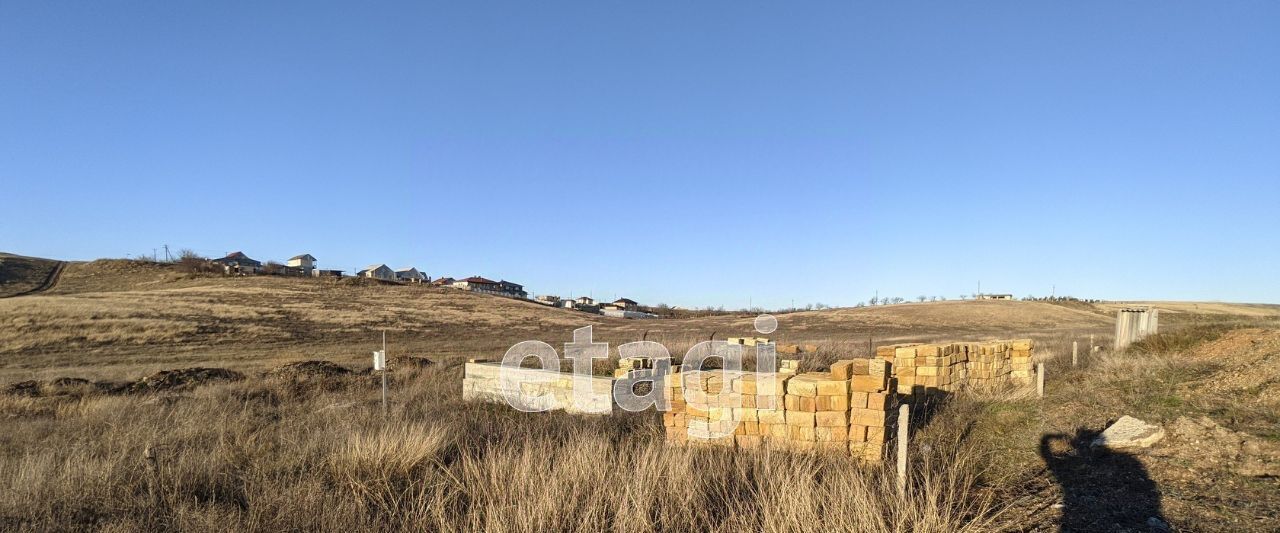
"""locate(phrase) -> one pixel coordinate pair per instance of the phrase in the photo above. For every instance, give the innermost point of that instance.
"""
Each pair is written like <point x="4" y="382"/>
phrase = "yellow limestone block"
<point x="745" y="384"/>
<point x="804" y="433"/>
<point x="833" y="403"/>
<point x="858" y="400"/>
<point x="832" y="434"/>
<point x="801" y="418"/>
<point x="842" y="369"/>
<point x="831" y="419"/>
<point x="771" y="416"/>
<point x="869" y="383"/>
<point x="867" y="417"/>
<point x="807" y="384"/>
<point x="879" y="401"/>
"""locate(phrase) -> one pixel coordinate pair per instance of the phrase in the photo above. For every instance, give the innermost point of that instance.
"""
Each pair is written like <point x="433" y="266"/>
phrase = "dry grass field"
<point x="310" y="450"/>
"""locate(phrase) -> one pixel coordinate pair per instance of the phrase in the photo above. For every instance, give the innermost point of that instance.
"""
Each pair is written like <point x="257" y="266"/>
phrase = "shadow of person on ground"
<point x="1103" y="489"/>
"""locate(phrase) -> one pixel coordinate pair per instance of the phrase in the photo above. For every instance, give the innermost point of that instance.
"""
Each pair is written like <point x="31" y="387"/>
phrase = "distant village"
<point x="304" y="265"/>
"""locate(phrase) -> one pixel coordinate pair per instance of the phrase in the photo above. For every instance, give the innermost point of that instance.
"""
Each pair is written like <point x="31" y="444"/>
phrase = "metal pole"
<point x="384" y="372"/>
<point x="904" y="418"/>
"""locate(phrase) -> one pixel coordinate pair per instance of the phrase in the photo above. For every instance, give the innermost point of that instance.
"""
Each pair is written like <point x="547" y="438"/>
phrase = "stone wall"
<point x="957" y="366"/>
<point x="536" y="389"/>
<point x="850" y="409"/>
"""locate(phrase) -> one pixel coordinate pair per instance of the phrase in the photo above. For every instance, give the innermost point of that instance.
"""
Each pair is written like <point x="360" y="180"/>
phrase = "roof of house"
<point x="375" y="267"/>
<point x="235" y="256"/>
<point x="478" y="279"/>
<point x="406" y="269"/>
<point x="627" y="301"/>
<point x="303" y="256"/>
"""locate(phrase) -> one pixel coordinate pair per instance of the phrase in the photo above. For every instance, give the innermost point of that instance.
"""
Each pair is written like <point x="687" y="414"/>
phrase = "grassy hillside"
<point x="19" y="274"/>
<point x="117" y="317"/>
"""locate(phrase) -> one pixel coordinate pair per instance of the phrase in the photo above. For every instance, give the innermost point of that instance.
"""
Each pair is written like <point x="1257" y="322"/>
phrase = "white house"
<point x="382" y="272"/>
<point x="305" y="263"/>
<point x="238" y="263"/>
<point x="410" y="275"/>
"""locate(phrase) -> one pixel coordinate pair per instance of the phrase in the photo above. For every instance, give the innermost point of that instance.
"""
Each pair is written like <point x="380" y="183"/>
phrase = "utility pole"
<point x="167" y="258"/>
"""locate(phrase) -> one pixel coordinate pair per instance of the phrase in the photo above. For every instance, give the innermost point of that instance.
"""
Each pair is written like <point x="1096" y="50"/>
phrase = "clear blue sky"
<point x="691" y="153"/>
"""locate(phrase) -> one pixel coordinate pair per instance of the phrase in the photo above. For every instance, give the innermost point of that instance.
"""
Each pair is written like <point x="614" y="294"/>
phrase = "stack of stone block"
<point x="761" y="417"/>
<point x="1021" y="368"/>
<point x="989" y="363"/>
<point x="848" y="410"/>
<point x="817" y="411"/>
<point x="871" y="404"/>
<point x="927" y="369"/>
<point x="628" y="364"/>
<point x="710" y="420"/>
<point x="676" y="420"/>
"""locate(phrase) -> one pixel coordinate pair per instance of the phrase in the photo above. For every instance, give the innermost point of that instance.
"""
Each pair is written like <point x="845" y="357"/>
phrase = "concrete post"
<point x="904" y="421"/>
<point x="1040" y="380"/>
<point x="1075" y="353"/>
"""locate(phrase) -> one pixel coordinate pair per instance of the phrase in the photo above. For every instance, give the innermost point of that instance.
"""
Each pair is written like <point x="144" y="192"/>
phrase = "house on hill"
<point x="238" y="263"/>
<point x="585" y="300"/>
<point x="995" y="296"/>
<point x="411" y="275"/>
<point x="512" y="290"/>
<point x="488" y="286"/>
<point x="382" y="272"/>
<point x="444" y="281"/>
<point x="305" y="263"/>
<point x="625" y="303"/>
<point x="477" y="284"/>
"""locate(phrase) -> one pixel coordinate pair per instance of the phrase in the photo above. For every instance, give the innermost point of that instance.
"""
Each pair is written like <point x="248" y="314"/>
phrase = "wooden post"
<point x="904" y="421"/>
<point x="1040" y="380"/>
<point x="1075" y="353"/>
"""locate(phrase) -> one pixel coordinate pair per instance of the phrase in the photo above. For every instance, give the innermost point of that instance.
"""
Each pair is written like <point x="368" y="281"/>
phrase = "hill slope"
<point x="128" y="317"/>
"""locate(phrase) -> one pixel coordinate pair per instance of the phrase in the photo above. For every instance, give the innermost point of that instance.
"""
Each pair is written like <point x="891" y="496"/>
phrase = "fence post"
<point x="1040" y="380"/>
<point x="1075" y="352"/>
<point x="904" y="419"/>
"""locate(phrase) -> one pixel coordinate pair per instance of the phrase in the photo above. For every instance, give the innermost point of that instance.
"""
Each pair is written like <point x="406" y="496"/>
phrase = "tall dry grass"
<point x="273" y="455"/>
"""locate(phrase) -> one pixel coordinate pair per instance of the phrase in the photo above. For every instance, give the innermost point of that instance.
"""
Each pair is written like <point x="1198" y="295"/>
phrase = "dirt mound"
<point x="409" y="362"/>
<point x="167" y="380"/>
<point x="59" y="387"/>
<point x="303" y="370"/>
<point x="1248" y="366"/>
<point x="1200" y="441"/>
